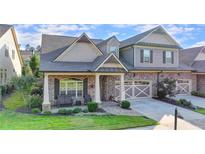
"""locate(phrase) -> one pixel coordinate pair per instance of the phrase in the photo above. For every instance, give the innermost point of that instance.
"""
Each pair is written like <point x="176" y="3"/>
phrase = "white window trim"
<point x="166" y="57"/>
<point x="76" y="87"/>
<point x="144" y="56"/>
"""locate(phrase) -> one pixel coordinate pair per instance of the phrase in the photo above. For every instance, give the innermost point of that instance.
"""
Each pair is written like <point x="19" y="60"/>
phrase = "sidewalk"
<point x="167" y="123"/>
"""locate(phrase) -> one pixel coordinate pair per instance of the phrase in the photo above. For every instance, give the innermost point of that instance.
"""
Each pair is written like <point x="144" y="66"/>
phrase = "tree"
<point x="38" y="48"/>
<point x="166" y="88"/>
<point x="28" y="47"/>
<point x="26" y="71"/>
<point x="34" y="64"/>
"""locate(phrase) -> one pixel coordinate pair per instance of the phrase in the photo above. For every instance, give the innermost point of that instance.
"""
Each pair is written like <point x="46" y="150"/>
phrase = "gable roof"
<point x="137" y="38"/>
<point x="106" y="58"/>
<point x="50" y="43"/>
<point x="4" y="29"/>
<point x="82" y="38"/>
<point x="187" y="56"/>
<point x="107" y="40"/>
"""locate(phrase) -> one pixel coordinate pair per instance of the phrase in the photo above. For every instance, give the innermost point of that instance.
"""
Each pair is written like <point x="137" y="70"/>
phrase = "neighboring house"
<point x="26" y="55"/>
<point x="195" y="57"/>
<point x="110" y="69"/>
<point x="10" y="58"/>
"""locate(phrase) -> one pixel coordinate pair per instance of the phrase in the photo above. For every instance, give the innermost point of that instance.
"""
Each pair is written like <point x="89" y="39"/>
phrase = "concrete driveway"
<point x="164" y="113"/>
<point x="197" y="101"/>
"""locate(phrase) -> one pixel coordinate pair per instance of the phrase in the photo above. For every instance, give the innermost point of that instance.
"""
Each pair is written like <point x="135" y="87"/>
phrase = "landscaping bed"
<point x="183" y="103"/>
<point x="18" y="121"/>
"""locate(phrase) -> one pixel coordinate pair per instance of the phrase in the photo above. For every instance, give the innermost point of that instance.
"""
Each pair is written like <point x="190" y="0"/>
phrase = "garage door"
<point x="183" y="86"/>
<point x="134" y="89"/>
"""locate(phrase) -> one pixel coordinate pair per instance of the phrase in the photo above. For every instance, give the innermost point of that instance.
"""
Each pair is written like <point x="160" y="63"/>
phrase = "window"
<point x="168" y="57"/>
<point x="72" y="87"/>
<point x="146" y="56"/>
<point x="1" y="76"/>
<point x="113" y="49"/>
<point x="13" y="54"/>
<point x="6" y="52"/>
<point x="5" y="76"/>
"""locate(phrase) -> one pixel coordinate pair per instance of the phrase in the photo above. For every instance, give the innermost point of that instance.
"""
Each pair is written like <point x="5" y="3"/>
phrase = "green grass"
<point x="202" y="111"/>
<point x="10" y="120"/>
<point x="16" y="100"/>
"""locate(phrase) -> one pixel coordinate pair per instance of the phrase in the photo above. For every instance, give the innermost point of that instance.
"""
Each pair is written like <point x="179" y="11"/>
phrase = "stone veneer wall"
<point x="201" y="83"/>
<point x="187" y="75"/>
<point x="109" y="86"/>
<point x="144" y="76"/>
<point x="91" y="86"/>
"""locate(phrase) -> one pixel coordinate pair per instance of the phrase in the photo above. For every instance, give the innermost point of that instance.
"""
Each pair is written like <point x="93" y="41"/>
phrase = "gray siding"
<point x="157" y="58"/>
<point x="128" y="55"/>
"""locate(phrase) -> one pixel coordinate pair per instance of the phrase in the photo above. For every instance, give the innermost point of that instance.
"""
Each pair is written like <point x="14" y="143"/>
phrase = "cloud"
<point x="113" y="33"/>
<point x="175" y="30"/>
<point x="197" y="44"/>
<point x="31" y="34"/>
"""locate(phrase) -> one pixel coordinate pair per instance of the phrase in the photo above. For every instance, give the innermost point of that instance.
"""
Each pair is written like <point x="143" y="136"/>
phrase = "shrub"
<point x="85" y="110"/>
<point x="166" y="87"/>
<point x="65" y="111"/>
<point x="37" y="91"/>
<point x="184" y="103"/>
<point x="196" y="93"/>
<point x="77" y="110"/>
<point x="92" y="106"/>
<point x="35" y="101"/>
<point x="125" y="104"/>
<point x="3" y="90"/>
<point x="47" y="112"/>
<point x="23" y="82"/>
<point x="35" y="110"/>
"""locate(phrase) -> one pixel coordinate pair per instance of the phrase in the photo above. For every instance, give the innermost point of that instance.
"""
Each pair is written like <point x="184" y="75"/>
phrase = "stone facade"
<point x="201" y="83"/>
<point x="187" y="75"/>
<point x="51" y="86"/>
<point x="107" y="82"/>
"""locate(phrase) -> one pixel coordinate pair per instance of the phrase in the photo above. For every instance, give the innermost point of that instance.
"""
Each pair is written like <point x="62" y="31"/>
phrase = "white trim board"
<point x="112" y="54"/>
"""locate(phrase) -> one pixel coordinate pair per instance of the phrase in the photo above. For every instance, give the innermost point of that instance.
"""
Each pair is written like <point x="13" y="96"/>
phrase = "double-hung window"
<point x="168" y="57"/>
<point x="72" y="87"/>
<point x="146" y="56"/>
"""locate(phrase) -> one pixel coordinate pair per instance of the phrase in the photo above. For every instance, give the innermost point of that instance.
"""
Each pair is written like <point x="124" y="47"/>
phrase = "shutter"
<point x="151" y="56"/>
<point x="141" y="56"/>
<point x="56" y="88"/>
<point x="172" y="57"/>
<point x="164" y="57"/>
<point x="85" y="87"/>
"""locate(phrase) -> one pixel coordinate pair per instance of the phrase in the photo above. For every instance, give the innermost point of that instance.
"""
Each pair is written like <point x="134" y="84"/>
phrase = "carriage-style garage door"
<point x="134" y="89"/>
<point x="183" y="86"/>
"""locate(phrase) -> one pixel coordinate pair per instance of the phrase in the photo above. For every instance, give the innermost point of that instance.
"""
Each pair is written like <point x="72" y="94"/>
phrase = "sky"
<point x="188" y="35"/>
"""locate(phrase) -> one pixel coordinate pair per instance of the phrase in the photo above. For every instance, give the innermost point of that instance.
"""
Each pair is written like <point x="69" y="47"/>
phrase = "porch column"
<point x="46" y="106"/>
<point x="122" y="87"/>
<point x="97" y="88"/>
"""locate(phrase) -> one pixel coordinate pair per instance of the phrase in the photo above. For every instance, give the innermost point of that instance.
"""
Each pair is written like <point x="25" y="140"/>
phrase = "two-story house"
<point x="10" y="58"/>
<point x="195" y="58"/>
<point x="104" y="70"/>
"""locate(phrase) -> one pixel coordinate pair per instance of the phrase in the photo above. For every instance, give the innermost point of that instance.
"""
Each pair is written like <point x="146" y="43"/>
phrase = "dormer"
<point x="110" y="45"/>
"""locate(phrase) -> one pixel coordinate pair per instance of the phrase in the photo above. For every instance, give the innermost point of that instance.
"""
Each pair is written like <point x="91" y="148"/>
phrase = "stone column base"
<point x="46" y="107"/>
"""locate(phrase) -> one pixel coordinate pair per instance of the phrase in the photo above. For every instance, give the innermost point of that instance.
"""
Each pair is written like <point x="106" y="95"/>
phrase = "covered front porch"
<point x="71" y="89"/>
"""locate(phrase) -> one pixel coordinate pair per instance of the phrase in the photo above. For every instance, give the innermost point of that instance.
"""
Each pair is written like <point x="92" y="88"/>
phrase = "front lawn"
<point x="10" y="120"/>
<point x="202" y="111"/>
<point x="16" y="100"/>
